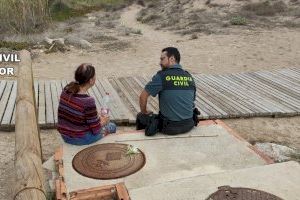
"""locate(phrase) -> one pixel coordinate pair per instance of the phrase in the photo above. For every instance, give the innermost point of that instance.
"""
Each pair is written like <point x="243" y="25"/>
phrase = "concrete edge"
<point x="261" y="154"/>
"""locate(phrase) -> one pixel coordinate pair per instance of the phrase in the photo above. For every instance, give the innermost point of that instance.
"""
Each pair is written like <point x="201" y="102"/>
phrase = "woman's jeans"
<point x="89" y="137"/>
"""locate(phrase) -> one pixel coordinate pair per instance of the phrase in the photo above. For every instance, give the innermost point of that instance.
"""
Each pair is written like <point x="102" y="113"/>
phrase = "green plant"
<point x="14" y="45"/>
<point x="61" y="10"/>
<point x="149" y="18"/>
<point x="238" y="20"/>
<point x="136" y="31"/>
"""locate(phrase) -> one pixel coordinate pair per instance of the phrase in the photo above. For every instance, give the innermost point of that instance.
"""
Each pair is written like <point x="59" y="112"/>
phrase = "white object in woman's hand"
<point x="104" y="111"/>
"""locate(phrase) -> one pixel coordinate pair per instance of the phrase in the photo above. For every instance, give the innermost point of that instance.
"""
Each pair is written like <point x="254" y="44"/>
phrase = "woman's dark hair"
<point x="172" y="51"/>
<point x="83" y="74"/>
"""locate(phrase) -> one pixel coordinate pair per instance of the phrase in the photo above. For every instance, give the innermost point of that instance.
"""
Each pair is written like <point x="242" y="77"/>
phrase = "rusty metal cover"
<point x="229" y="193"/>
<point x="108" y="161"/>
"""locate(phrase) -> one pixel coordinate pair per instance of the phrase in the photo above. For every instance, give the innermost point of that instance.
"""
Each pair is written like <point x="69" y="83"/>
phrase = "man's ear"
<point x="172" y="58"/>
<point x="91" y="81"/>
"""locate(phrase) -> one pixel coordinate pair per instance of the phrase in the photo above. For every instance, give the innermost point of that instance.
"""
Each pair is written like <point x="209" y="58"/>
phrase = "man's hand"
<point x="104" y="120"/>
<point x="147" y="112"/>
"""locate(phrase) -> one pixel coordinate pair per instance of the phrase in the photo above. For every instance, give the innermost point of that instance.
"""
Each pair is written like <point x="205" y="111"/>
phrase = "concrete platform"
<point x="205" y="150"/>
<point x="282" y="180"/>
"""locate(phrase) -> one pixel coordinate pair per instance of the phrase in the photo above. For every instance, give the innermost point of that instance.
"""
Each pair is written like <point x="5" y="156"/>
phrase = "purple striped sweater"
<point x="77" y="115"/>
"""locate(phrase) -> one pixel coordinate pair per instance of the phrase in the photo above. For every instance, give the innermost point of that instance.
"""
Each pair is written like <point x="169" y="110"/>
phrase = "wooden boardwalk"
<point x="248" y="94"/>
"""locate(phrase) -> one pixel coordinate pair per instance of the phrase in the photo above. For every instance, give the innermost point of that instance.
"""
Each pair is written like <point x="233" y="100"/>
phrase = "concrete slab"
<point x="282" y="180"/>
<point x="205" y="150"/>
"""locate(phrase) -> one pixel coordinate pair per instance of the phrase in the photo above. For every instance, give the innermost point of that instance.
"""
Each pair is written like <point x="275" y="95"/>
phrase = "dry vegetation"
<point x="73" y="20"/>
<point x="34" y="15"/>
<point x="23" y="16"/>
<point x="187" y="17"/>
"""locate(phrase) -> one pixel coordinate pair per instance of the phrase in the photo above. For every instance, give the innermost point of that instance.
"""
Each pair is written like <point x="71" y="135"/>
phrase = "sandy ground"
<point x="240" y="51"/>
<point x="214" y="54"/>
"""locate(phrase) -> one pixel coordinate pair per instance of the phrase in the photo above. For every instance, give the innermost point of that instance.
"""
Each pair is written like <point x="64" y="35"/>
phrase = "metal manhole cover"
<point x="229" y="193"/>
<point x="108" y="161"/>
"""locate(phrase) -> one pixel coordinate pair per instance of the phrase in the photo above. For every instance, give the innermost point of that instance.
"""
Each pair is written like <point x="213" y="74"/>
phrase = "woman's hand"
<point x="104" y="120"/>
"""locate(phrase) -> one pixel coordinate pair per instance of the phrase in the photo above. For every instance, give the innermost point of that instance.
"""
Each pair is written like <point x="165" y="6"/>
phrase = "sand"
<point x="212" y="54"/>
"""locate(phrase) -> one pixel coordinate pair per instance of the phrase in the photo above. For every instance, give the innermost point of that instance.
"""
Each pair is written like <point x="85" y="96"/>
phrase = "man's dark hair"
<point x="172" y="51"/>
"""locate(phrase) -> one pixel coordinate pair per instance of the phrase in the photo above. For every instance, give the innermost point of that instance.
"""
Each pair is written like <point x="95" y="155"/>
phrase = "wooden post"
<point x="29" y="183"/>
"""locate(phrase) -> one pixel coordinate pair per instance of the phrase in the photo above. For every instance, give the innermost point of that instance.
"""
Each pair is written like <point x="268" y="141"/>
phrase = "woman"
<point x="78" y="119"/>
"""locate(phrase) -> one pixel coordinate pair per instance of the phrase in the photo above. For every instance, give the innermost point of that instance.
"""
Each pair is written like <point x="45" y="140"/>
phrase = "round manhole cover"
<point x="229" y="193"/>
<point x="108" y="161"/>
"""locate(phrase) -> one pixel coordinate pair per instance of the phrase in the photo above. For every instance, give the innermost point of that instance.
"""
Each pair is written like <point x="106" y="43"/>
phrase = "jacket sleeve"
<point x="91" y="115"/>
<point x="154" y="86"/>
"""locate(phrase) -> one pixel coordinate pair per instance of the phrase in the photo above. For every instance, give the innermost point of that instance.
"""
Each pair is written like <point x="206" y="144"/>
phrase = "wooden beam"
<point x="29" y="177"/>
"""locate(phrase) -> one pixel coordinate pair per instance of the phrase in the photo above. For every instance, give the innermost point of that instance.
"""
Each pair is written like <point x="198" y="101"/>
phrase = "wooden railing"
<point x="29" y="183"/>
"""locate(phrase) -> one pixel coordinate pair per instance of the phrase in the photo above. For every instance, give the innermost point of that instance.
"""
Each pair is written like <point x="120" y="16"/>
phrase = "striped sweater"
<point x="77" y="115"/>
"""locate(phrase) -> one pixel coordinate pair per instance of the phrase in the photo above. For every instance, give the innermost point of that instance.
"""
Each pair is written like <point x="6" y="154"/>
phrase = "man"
<point x="176" y="93"/>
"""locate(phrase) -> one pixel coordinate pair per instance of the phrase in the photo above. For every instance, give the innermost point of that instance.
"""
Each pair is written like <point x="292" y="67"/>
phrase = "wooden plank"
<point x="275" y="83"/>
<point x="284" y="74"/>
<point x="49" y="106"/>
<point x="130" y="93"/>
<point x="202" y="98"/>
<point x="2" y="87"/>
<point x="54" y="99"/>
<point x="5" y="123"/>
<point x="42" y="104"/>
<point x="252" y="86"/>
<point x="216" y="104"/>
<point x="209" y="107"/>
<point x="270" y="104"/>
<point x="225" y="93"/>
<point x="234" y="95"/>
<point x="124" y="95"/>
<point x="274" y="90"/>
<point x="265" y="107"/>
<point x="220" y="100"/>
<point x="122" y="192"/>
<point x="281" y="80"/>
<point x="288" y="75"/>
<point x="290" y="72"/>
<point x="123" y="111"/>
<point x="36" y="93"/>
<point x="64" y="83"/>
<point x="5" y="98"/>
<point x="13" y="119"/>
<point x="36" y="97"/>
<point x="237" y="95"/>
<point x="296" y="71"/>
<point x="267" y="91"/>
<point x="58" y="88"/>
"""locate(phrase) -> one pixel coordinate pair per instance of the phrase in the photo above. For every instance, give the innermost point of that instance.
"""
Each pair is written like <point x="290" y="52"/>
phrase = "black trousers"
<point x="153" y="123"/>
